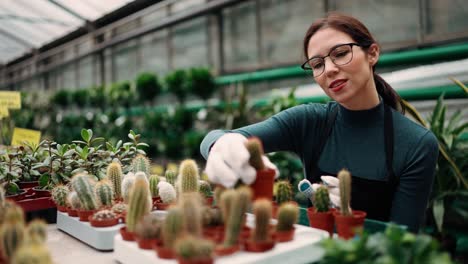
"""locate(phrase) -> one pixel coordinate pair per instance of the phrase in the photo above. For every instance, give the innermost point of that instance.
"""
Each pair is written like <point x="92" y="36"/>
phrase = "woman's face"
<point x="351" y="85"/>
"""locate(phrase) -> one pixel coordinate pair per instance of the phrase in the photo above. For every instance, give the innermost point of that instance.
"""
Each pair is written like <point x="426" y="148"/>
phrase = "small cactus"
<point x="218" y="190"/>
<point x="59" y="195"/>
<point x="236" y="218"/>
<point x="226" y="202"/>
<point x="167" y="193"/>
<point x="287" y="216"/>
<point x="74" y="200"/>
<point x="193" y="248"/>
<point x="262" y="211"/>
<point x="13" y="214"/>
<point x="283" y="192"/>
<point x="153" y="184"/>
<point x="191" y="206"/>
<point x="32" y="254"/>
<point x="345" y="191"/>
<point x="104" y="193"/>
<point x="188" y="176"/>
<point x="12" y="236"/>
<point x="4" y="209"/>
<point x="150" y="227"/>
<point x="2" y="196"/>
<point x="255" y="148"/>
<point x="83" y="185"/>
<point x="141" y="163"/>
<point x="37" y="231"/>
<point x="139" y="205"/>
<point x="205" y="188"/>
<point x="114" y="175"/>
<point x="171" y="177"/>
<point x="172" y="226"/>
<point x="321" y="199"/>
<point x="127" y="185"/>
<point x="211" y="216"/>
<point x="119" y="208"/>
<point x="104" y="215"/>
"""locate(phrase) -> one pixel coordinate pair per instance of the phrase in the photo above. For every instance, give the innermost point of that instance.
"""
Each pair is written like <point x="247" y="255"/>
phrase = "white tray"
<point x="101" y="238"/>
<point x="303" y="249"/>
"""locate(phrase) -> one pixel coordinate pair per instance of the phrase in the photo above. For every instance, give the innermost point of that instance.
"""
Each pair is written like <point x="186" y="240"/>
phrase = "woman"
<point x="391" y="158"/>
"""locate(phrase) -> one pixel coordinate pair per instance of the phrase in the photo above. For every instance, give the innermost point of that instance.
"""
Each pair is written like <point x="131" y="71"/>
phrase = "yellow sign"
<point x="3" y="112"/>
<point x="20" y="135"/>
<point x="9" y="99"/>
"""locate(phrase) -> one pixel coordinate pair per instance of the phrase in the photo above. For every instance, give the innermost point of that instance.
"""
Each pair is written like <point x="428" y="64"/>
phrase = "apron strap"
<point x="389" y="141"/>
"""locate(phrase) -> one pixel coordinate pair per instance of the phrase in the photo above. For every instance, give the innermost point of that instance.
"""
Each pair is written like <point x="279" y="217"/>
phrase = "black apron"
<point x="372" y="196"/>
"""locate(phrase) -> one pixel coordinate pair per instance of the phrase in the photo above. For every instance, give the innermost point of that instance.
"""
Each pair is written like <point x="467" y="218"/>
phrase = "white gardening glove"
<point x="228" y="161"/>
<point x="331" y="182"/>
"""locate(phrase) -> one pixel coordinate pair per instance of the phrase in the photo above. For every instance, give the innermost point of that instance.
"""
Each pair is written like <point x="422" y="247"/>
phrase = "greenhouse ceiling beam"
<point x="33" y="20"/>
<point x="16" y="39"/>
<point x="68" y="10"/>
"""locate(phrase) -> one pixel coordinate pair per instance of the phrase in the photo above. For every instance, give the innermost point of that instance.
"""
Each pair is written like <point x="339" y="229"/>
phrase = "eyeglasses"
<point x="340" y="55"/>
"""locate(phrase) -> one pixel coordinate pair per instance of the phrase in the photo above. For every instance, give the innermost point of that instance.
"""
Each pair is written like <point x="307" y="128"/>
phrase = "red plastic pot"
<point x="103" y="223"/>
<point x="84" y="214"/>
<point x="225" y="251"/>
<point x="28" y="184"/>
<point x="285" y="236"/>
<point x="165" y="253"/>
<point x="62" y="209"/>
<point x="263" y="185"/>
<point x="145" y="243"/>
<point x="321" y="220"/>
<point x="127" y="236"/>
<point x="253" y="246"/>
<point x="162" y="206"/>
<point x="17" y="197"/>
<point x="346" y="226"/>
<point x="72" y="212"/>
<point x="41" y="193"/>
<point x="195" y="261"/>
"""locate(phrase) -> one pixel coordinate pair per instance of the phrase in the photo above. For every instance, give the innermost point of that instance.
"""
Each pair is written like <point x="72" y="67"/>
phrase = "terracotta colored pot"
<point x="17" y="197"/>
<point x="127" y="236"/>
<point x="214" y="233"/>
<point x="209" y="200"/>
<point x="224" y="251"/>
<point x="41" y="193"/>
<point x="263" y="185"/>
<point x="165" y="253"/>
<point x="84" y="214"/>
<point x="123" y="216"/>
<point x="28" y="184"/>
<point x="145" y="243"/>
<point x="244" y="233"/>
<point x="162" y="206"/>
<point x="324" y="221"/>
<point x="195" y="261"/>
<point x="285" y="236"/>
<point x="72" y="212"/>
<point x="103" y="223"/>
<point x="62" y="209"/>
<point x="252" y="246"/>
<point x="346" y="226"/>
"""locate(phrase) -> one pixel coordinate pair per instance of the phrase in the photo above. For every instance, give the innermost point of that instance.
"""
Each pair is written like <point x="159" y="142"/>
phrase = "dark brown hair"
<point x="361" y="35"/>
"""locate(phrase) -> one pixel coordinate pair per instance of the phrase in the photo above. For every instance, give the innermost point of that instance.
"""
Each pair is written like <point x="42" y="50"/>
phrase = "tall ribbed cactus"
<point x="127" y="185"/>
<point x="2" y="196"/>
<point x="226" y="201"/>
<point x="188" y="176"/>
<point x="84" y="187"/>
<point x="171" y="177"/>
<point x="141" y="163"/>
<point x="218" y="191"/>
<point x="287" y="216"/>
<point x="11" y="238"/>
<point x="104" y="193"/>
<point x="167" y="192"/>
<point x="153" y="185"/>
<point x="345" y="191"/>
<point x="255" y="148"/>
<point x="115" y="175"/>
<point x="262" y="211"/>
<point x="241" y="203"/>
<point x="32" y="254"/>
<point x="37" y="231"/>
<point x="13" y="213"/>
<point x="193" y="248"/>
<point x="191" y="206"/>
<point x="59" y="195"/>
<point x="321" y="199"/>
<point x="172" y="226"/>
<point x="139" y="205"/>
<point x="74" y="200"/>
<point x="205" y="188"/>
<point x="283" y="192"/>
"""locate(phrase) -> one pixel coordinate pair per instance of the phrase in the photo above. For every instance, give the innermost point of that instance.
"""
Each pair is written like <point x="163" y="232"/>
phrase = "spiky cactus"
<point x="188" y="176"/>
<point x="153" y="185"/>
<point x="104" y="193"/>
<point x="115" y="175"/>
<point x="150" y="227"/>
<point x="321" y="199"/>
<point x="37" y="231"/>
<point x="141" y="175"/>
<point x="12" y="236"/>
<point x="104" y="215"/>
<point x="211" y="216"/>
<point x="32" y="254"/>
<point x="283" y="192"/>
<point x="172" y="226"/>
<point x="84" y="187"/>
<point x="59" y="195"/>
<point x="141" y="163"/>
<point x="2" y="196"/>
<point x="4" y="209"/>
<point x="74" y="200"/>
<point x="167" y="193"/>
<point x="191" y="248"/>
<point x="262" y="211"/>
<point x="226" y="202"/>
<point x="119" y="208"/>
<point x="139" y="205"/>
<point x="127" y="185"/>
<point x="255" y="148"/>
<point x="205" y="188"/>
<point x="287" y="216"/>
<point x="218" y="191"/>
<point x="13" y="214"/>
<point x="191" y="206"/>
<point x="236" y="220"/>
<point x="171" y="177"/>
<point x="345" y="191"/>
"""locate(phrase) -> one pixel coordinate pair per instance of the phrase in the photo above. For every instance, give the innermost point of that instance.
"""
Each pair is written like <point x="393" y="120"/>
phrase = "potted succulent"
<point x="83" y="184"/>
<point x="10" y="177"/>
<point x="103" y="218"/>
<point x="287" y="217"/>
<point x="283" y="194"/>
<point x="171" y="231"/>
<point x="74" y="204"/>
<point x="167" y="193"/>
<point x="59" y="195"/>
<point x="140" y="204"/>
<point x="205" y="190"/>
<point x="261" y="238"/>
<point x="347" y="220"/>
<point x="193" y="250"/>
<point x="171" y="177"/>
<point x="114" y="175"/>
<point x="320" y="216"/>
<point x="263" y="184"/>
<point x="29" y="156"/>
<point x="120" y="209"/>
<point x="104" y="193"/>
<point x="212" y="223"/>
<point x="148" y="232"/>
<point x="153" y="185"/>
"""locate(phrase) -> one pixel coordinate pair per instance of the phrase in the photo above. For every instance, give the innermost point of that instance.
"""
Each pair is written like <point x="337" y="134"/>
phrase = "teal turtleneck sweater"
<point x="356" y="143"/>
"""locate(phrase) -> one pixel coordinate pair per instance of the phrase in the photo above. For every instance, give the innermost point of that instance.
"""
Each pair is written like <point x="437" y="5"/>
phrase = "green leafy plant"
<point x="147" y="86"/>
<point x="202" y="82"/>
<point x="177" y="83"/>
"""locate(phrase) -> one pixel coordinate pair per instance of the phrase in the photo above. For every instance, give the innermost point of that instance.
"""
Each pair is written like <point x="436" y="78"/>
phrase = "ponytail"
<point x="388" y="94"/>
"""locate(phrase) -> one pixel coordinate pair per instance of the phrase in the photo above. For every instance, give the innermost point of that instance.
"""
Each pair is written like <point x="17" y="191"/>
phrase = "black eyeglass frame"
<point x="307" y="68"/>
